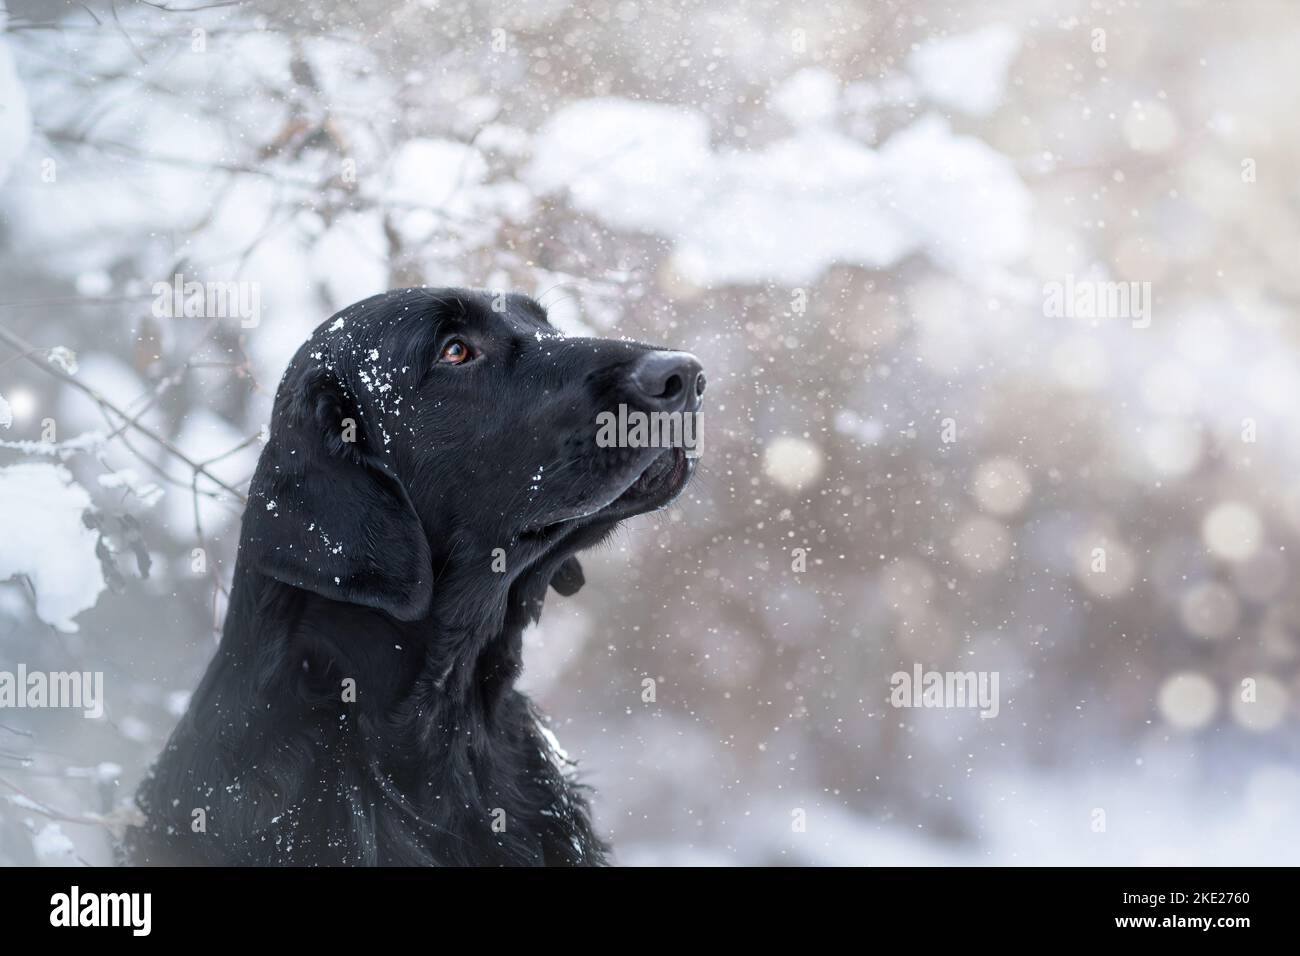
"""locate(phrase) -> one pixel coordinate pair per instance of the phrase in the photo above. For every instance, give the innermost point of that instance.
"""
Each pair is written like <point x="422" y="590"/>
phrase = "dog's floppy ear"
<point x="324" y="514"/>
<point x="568" y="577"/>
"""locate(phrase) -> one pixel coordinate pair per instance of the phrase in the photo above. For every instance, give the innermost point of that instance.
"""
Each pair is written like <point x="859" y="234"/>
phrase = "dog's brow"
<point x="533" y="308"/>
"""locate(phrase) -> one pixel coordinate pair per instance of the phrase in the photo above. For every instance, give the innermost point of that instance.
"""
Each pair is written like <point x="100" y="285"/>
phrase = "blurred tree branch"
<point x="128" y="421"/>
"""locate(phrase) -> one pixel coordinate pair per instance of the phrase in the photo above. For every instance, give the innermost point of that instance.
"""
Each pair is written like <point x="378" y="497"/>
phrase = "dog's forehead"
<point x="404" y="322"/>
<point x="529" y="308"/>
<point x="506" y="311"/>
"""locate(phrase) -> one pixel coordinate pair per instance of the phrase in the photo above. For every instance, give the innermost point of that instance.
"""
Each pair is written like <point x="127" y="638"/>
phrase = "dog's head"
<point x="430" y="443"/>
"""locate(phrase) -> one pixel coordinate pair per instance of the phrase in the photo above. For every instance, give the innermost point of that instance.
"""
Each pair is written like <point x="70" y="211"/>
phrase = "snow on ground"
<point x="1024" y="820"/>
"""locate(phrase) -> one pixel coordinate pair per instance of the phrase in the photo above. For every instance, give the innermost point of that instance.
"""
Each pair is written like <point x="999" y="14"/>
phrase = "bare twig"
<point x="37" y="806"/>
<point x="167" y="8"/>
<point x="14" y="342"/>
<point x="126" y="36"/>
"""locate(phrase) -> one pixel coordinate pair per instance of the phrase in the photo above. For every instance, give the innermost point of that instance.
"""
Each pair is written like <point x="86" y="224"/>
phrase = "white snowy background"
<point x="850" y="212"/>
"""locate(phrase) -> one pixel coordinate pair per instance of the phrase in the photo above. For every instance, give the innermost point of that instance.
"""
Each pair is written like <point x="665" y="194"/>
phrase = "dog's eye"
<point x="455" y="352"/>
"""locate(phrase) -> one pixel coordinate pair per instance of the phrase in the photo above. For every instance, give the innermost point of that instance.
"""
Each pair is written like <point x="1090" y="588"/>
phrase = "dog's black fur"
<point x="366" y="560"/>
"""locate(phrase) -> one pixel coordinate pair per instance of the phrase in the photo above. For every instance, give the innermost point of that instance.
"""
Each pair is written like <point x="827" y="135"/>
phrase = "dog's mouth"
<point x="657" y="485"/>
<point x="660" y="482"/>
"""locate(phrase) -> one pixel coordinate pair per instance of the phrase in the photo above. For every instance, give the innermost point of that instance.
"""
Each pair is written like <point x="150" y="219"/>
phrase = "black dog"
<point x="433" y="466"/>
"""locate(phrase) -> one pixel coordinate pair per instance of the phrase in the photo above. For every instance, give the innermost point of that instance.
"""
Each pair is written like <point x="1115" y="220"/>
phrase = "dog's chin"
<point x="656" y="486"/>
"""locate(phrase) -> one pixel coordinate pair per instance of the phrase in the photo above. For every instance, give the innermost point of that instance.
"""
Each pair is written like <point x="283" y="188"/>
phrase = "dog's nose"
<point x="668" y="381"/>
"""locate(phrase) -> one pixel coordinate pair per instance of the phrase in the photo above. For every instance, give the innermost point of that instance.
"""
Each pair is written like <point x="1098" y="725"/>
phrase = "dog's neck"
<point x="472" y="635"/>
<point x="441" y="658"/>
<point x="418" y="718"/>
